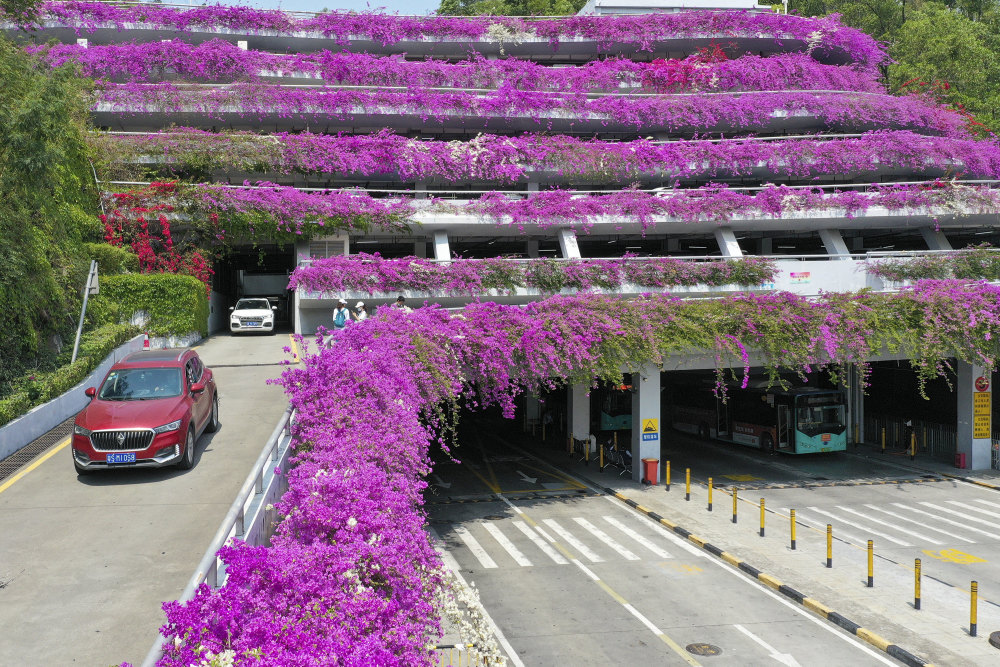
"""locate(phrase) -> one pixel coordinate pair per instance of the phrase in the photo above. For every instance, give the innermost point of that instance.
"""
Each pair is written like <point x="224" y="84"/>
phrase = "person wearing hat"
<point x="341" y="315"/>
<point x="362" y="312"/>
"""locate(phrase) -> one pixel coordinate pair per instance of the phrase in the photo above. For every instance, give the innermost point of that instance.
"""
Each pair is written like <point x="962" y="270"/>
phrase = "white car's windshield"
<point x="253" y="304"/>
<point x="139" y="384"/>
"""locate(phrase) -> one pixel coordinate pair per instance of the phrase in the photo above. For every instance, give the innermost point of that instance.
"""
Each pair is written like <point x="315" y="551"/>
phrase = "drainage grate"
<point x="703" y="649"/>
<point x="25" y="455"/>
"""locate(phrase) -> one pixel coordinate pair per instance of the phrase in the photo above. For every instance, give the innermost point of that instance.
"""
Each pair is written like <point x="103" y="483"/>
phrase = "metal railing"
<point x="250" y="517"/>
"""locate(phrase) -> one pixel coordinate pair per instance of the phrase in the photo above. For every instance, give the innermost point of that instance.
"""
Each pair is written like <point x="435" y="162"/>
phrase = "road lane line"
<point x="948" y="521"/>
<point x="39" y="461"/>
<point x="973" y="508"/>
<point x="295" y="349"/>
<point x="604" y="537"/>
<point x="784" y="658"/>
<point x="514" y="552"/>
<point x="637" y="537"/>
<point x="476" y="548"/>
<point x="957" y="513"/>
<point x="450" y="563"/>
<point x="575" y="543"/>
<point x="543" y="547"/>
<point x="698" y="553"/>
<point x="889" y="525"/>
<point x="924" y="525"/>
<point x="806" y="521"/>
<point x="851" y="523"/>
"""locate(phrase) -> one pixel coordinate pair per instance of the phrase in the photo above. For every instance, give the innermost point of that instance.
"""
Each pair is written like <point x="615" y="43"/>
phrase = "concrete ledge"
<point x="43" y="418"/>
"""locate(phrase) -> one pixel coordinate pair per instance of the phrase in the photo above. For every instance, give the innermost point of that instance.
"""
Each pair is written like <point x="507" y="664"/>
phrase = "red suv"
<point x="148" y="412"/>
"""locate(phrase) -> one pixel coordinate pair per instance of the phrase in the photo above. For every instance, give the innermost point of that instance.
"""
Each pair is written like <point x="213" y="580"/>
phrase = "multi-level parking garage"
<point x="709" y="137"/>
<point x="712" y="139"/>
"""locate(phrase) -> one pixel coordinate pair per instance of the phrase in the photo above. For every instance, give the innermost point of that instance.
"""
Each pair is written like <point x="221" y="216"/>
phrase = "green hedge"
<point x="112" y="260"/>
<point x="177" y="305"/>
<point x="39" y="388"/>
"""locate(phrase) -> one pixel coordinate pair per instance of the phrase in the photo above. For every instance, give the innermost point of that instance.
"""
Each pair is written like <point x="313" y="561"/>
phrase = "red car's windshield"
<point x="137" y="384"/>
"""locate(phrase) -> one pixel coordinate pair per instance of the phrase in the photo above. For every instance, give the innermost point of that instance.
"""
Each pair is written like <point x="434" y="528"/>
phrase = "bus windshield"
<point x="820" y="415"/>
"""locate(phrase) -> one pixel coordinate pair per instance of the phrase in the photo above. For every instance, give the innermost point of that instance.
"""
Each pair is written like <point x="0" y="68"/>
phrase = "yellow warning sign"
<point x="650" y="425"/>
<point x="982" y="412"/>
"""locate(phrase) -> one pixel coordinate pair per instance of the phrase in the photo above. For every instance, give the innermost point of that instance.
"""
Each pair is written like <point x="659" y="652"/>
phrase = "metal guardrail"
<point x="248" y="518"/>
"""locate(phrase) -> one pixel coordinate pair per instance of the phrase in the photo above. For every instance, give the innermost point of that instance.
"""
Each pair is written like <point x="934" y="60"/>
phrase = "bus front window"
<point x="814" y="419"/>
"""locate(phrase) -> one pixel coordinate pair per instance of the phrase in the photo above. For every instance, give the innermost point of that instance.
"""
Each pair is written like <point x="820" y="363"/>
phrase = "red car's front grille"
<point x="115" y="441"/>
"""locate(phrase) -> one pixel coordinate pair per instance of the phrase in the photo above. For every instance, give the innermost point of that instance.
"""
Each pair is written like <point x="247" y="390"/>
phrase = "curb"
<point x="813" y="605"/>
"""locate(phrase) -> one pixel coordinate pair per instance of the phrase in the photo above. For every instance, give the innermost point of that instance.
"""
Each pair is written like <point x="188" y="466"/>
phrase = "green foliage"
<point x="38" y="388"/>
<point x="510" y="7"/>
<point x="980" y="262"/>
<point x="46" y="209"/>
<point x="112" y="260"/>
<point x="175" y="304"/>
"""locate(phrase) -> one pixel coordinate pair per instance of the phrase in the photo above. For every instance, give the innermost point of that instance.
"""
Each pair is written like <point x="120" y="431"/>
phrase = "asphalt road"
<point x="572" y="577"/>
<point x="85" y="562"/>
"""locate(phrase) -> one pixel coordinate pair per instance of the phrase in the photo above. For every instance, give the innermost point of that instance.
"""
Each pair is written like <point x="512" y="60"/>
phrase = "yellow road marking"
<point x="39" y="461"/>
<point x="295" y="349"/>
<point x="817" y="607"/>
<point x="873" y="639"/>
<point x="516" y="491"/>
<point x="769" y="580"/>
<point x="491" y="487"/>
<point x="564" y="478"/>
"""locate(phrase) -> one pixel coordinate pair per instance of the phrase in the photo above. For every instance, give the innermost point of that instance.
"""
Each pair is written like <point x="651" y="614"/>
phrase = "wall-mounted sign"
<point x="650" y="429"/>
<point x="982" y="383"/>
<point x="799" y="277"/>
<point x="982" y="414"/>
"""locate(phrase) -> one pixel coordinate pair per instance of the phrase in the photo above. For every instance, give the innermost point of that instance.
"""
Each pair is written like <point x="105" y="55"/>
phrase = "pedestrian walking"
<point x="401" y="304"/>
<point x="341" y="315"/>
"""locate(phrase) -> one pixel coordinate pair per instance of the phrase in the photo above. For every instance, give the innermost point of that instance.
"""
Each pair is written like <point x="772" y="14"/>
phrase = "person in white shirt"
<point x="361" y="313"/>
<point x="341" y="315"/>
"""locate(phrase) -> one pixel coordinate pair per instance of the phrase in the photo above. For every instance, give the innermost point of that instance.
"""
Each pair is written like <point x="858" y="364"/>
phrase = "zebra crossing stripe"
<point x="961" y="514"/>
<point x="514" y="552"/>
<point x="604" y="537"/>
<point x="637" y="537"/>
<point x="851" y="523"/>
<point x="988" y="502"/>
<point x="974" y="508"/>
<point x="903" y="518"/>
<point x="476" y="548"/>
<point x="543" y="547"/>
<point x="575" y="543"/>
<point x="949" y="521"/>
<point x="915" y="534"/>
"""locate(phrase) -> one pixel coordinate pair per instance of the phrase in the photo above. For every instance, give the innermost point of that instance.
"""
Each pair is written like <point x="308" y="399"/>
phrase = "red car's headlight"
<point x="79" y="430"/>
<point x="167" y="428"/>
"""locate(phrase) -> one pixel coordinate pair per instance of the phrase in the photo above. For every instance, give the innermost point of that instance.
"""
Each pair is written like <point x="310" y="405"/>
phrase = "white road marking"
<point x="508" y="546"/>
<point x="961" y="514"/>
<point x="545" y="549"/>
<point x="948" y="521"/>
<point x="806" y="521"/>
<point x="974" y="508"/>
<point x="783" y="658"/>
<point x="851" y="523"/>
<point x="604" y="537"/>
<point x="575" y="543"/>
<point x="903" y="518"/>
<point x="915" y="534"/>
<point x="450" y="563"/>
<point x="637" y="537"/>
<point x="988" y="502"/>
<point x="798" y="609"/>
<point x="476" y="548"/>
<point x="541" y="531"/>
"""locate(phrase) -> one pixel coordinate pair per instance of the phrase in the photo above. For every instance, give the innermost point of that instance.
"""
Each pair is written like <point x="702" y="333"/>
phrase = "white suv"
<point x="252" y="315"/>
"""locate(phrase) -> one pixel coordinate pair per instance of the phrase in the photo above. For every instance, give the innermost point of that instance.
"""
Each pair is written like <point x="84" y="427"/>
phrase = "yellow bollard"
<point x="973" y="603"/>
<point x="569" y="444"/>
<point x="687" y="484"/>
<point x="829" y="545"/>
<point x="762" y="517"/>
<point x="668" y="475"/>
<point x="586" y="451"/>
<point x="913" y="445"/>
<point x="600" y="457"/>
<point x="734" y="504"/>
<point x="709" y="494"/>
<point x="793" y="529"/>
<point x="883" y="439"/>
<point x="916" y="583"/>
<point x="871" y="564"/>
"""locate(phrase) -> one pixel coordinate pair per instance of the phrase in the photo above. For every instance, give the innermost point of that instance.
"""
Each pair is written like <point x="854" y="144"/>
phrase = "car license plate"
<point x="251" y="324"/>
<point x="121" y="458"/>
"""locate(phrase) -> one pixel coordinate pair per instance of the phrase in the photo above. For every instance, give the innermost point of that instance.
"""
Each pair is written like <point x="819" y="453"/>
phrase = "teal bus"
<point x="613" y="404"/>
<point x="798" y="420"/>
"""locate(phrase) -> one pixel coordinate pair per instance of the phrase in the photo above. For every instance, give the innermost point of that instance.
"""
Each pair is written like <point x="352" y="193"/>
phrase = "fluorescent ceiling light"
<point x="541" y="250"/>
<point x="697" y="247"/>
<point x="633" y="247"/>
<point x="365" y="242"/>
<point x="787" y="247"/>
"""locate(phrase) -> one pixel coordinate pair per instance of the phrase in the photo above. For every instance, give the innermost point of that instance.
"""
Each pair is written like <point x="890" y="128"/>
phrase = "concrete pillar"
<point x="646" y="427"/>
<point x="766" y="246"/>
<point x="567" y="244"/>
<point x="532" y="248"/>
<point x="532" y="410"/>
<point x="578" y="413"/>
<point x="673" y="244"/>
<point x="442" y="251"/>
<point x="421" y="190"/>
<point x="834" y="244"/>
<point x="975" y="395"/>
<point x="296" y="313"/>
<point x="728" y="244"/>
<point x="855" y="405"/>
<point x="420" y="249"/>
<point x="935" y="239"/>
<point x="533" y="186"/>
